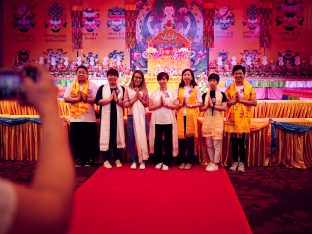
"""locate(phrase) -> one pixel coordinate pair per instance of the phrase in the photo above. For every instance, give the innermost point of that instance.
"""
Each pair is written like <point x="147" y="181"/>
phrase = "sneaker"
<point x="133" y="166"/>
<point x="165" y="167"/>
<point x="107" y="165"/>
<point x="234" y="166"/>
<point x="209" y="167"/>
<point x="158" y="166"/>
<point x="212" y="167"/>
<point x="188" y="166"/>
<point x="241" y="167"/>
<point x="182" y="166"/>
<point x="118" y="163"/>
<point x="142" y="166"/>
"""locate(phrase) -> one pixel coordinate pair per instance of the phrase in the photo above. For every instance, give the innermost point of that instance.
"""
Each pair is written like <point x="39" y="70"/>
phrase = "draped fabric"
<point x="13" y="108"/>
<point x="286" y="127"/>
<point x="15" y="121"/>
<point x="264" y="109"/>
<point x="77" y="26"/>
<point x="19" y="137"/>
<point x="130" y="17"/>
<point x="283" y="109"/>
<point x="293" y="149"/>
<point x="209" y="15"/>
<point x="265" y="23"/>
<point x="191" y="115"/>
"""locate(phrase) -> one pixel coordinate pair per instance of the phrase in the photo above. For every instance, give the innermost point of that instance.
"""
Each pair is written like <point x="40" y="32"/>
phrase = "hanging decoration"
<point x="77" y="17"/>
<point x="131" y="16"/>
<point x="265" y="23"/>
<point x="209" y="14"/>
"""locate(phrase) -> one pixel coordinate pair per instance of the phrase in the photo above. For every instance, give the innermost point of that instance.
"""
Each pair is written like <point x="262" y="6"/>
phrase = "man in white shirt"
<point x="82" y="129"/>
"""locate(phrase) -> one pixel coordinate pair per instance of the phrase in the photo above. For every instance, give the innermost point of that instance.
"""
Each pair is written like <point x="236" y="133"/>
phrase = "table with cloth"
<point x="264" y="109"/>
<point x="20" y="136"/>
<point x="292" y="149"/>
<point x="20" y="133"/>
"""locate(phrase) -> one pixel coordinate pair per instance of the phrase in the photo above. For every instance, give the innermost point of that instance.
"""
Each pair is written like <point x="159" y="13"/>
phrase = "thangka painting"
<point x="184" y="16"/>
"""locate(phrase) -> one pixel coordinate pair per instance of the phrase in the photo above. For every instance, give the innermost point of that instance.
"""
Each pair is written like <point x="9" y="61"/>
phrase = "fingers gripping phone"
<point x="11" y="83"/>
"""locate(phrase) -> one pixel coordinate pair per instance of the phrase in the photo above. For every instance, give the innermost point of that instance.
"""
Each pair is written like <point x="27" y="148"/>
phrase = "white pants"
<point x="214" y="148"/>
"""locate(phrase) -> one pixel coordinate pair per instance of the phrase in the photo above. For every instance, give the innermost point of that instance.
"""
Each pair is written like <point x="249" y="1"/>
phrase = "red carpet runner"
<point x="154" y="201"/>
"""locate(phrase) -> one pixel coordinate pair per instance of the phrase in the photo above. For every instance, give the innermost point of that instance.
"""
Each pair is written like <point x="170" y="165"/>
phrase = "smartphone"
<point x="10" y="85"/>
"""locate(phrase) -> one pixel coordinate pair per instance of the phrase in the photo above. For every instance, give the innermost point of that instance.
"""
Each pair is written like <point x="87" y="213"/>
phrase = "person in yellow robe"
<point x="241" y="98"/>
<point x="190" y="99"/>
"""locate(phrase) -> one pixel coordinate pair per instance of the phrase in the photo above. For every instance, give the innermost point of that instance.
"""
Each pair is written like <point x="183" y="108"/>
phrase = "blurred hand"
<point x="42" y="93"/>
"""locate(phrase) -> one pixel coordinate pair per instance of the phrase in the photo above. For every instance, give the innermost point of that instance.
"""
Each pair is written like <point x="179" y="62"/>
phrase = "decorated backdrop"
<point x="268" y="36"/>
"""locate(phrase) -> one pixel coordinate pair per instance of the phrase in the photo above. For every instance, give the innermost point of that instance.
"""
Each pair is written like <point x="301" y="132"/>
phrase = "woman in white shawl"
<point x="136" y="99"/>
<point x="112" y="135"/>
<point x="163" y="103"/>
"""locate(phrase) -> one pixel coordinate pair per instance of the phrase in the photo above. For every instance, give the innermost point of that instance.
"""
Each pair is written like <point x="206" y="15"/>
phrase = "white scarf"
<point x="156" y="95"/>
<point x="138" y="111"/>
<point x="105" y="121"/>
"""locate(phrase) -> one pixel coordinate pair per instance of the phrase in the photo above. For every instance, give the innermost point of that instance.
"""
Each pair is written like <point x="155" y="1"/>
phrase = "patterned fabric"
<point x="77" y="16"/>
<point x="265" y="23"/>
<point x="130" y="16"/>
<point x="209" y="14"/>
<point x="79" y="108"/>
<point x="191" y="116"/>
<point x="239" y="115"/>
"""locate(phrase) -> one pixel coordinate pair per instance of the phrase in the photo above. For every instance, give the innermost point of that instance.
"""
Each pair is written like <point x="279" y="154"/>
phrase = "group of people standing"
<point x="173" y="122"/>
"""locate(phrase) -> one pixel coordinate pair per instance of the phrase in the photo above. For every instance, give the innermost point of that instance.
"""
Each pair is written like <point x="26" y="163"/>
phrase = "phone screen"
<point x="10" y="85"/>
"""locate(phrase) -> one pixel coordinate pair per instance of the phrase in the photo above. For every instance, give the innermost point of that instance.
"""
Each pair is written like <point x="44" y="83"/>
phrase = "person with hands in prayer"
<point x="136" y="99"/>
<point x="241" y="98"/>
<point x="163" y="103"/>
<point x="82" y="128"/>
<point x="212" y="128"/>
<point x="112" y="136"/>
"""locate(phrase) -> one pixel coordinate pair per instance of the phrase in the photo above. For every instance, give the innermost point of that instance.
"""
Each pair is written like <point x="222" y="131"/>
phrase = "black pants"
<point x="112" y="143"/>
<point x="160" y="130"/>
<point x="84" y="141"/>
<point x="186" y="143"/>
<point x="115" y="151"/>
<point x="239" y="147"/>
